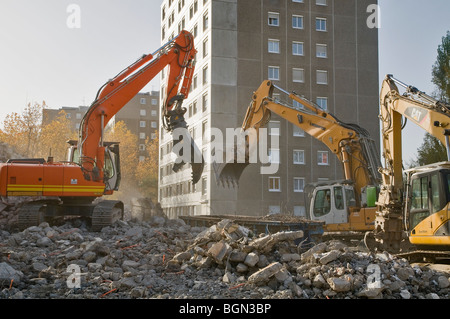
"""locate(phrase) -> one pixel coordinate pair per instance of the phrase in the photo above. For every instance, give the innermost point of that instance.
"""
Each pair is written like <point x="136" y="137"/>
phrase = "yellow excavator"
<point x="413" y="215"/>
<point x="345" y="206"/>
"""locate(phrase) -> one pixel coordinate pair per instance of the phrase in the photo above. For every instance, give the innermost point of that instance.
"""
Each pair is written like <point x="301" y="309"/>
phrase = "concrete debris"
<point x="166" y="258"/>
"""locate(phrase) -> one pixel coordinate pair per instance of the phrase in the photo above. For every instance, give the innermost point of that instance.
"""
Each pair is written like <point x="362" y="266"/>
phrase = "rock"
<point x="405" y="294"/>
<point x="183" y="256"/>
<point x="8" y="273"/>
<point x="443" y="282"/>
<point x="290" y="257"/>
<point x="237" y="256"/>
<point x="329" y="257"/>
<point x="265" y="273"/>
<point x="319" y="281"/>
<point x="228" y="278"/>
<point x="219" y="250"/>
<point x="317" y="249"/>
<point x="240" y="267"/>
<point x="44" y="242"/>
<point x="251" y="259"/>
<point x="405" y="273"/>
<point x="341" y="284"/>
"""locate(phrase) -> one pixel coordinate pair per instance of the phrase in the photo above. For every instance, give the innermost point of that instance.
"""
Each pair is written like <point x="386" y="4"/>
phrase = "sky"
<point x="48" y="54"/>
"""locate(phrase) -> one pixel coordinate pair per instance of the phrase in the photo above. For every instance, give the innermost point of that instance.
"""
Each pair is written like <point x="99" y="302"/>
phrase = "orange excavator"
<point x="75" y="187"/>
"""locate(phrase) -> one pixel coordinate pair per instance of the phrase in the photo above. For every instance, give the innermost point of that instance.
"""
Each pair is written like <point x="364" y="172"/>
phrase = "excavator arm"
<point x="431" y="115"/>
<point x="351" y="143"/>
<point x="178" y="55"/>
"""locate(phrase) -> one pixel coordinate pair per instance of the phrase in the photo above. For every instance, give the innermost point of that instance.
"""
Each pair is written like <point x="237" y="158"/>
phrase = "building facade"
<point x="321" y="49"/>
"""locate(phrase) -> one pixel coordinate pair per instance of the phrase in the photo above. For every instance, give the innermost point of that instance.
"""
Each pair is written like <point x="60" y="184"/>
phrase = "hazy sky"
<point x="41" y="58"/>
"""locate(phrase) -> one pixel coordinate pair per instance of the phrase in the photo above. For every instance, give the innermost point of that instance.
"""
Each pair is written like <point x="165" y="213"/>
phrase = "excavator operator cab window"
<point x="338" y="197"/>
<point x="322" y="202"/>
<point x="429" y="195"/>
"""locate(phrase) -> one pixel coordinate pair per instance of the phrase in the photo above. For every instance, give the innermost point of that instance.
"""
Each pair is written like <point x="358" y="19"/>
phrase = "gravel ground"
<point x="167" y="259"/>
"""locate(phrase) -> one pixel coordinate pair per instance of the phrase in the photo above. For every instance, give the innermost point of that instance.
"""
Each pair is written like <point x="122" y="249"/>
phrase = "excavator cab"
<point x="111" y="167"/>
<point x="332" y="203"/>
<point x="427" y="212"/>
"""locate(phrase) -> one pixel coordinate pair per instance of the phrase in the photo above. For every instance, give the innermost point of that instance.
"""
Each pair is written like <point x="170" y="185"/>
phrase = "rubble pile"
<point x="165" y="258"/>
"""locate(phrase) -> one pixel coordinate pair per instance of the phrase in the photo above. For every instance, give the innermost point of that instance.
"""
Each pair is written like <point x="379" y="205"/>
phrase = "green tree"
<point x="441" y="69"/>
<point x="431" y="151"/>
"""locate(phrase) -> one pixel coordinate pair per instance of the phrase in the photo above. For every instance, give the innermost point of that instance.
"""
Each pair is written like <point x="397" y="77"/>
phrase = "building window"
<point x="322" y="102"/>
<point x="299" y="157"/>
<point x="322" y="77"/>
<point x="274" y="73"/>
<point x="321" y="24"/>
<point x="298" y="105"/>
<point x="274" y="209"/>
<point x="78" y="116"/>
<point x="142" y="136"/>
<point x="299" y="1"/>
<point x="299" y="184"/>
<point x="154" y="113"/>
<point x="274" y="128"/>
<point x="300" y="211"/>
<point x="205" y="21"/>
<point x="321" y="2"/>
<point x="194" y="108"/>
<point x="204" y="185"/>
<point x="205" y="102"/>
<point x="274" y="46"/>
<point x="297" y="48"/>
<point x="322" y="157"/>
<point x="153" y="136"/>
<point x="205" y="47"/>
<point x="143" y="100"/>
<point x="205" y="75"/>
<point x="298" y="131"/>
<point x="142" y="147"/>
<point x="321" y="50"/>
<point x="274" y="19"/>
<point x="274" y="155"/>
<point x="274" y="184"/>
<point x="142" y="124"/>
<point x="298" y="75"/>
<point x="297" y="22"/>
<point x="153" y="124"/>
<point x="154" y="102"/>
<point x="143" y="112"/>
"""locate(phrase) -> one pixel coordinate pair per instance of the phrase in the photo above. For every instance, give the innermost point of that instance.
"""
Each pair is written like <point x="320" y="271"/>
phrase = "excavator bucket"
<point x="228" y="173"/>
<point x="181" y="144"/>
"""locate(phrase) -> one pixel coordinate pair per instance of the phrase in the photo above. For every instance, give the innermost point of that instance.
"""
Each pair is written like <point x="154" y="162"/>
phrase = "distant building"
<point x="140" y="115"/>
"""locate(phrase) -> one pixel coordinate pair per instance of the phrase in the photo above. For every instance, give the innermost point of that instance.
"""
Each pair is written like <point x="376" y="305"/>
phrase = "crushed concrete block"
<point x="341" y="284"/>
<point x="265" y="273"/>
<point x="317" y="249"/>
<point x="329" y="257"/>
<point x="219" y="250"/>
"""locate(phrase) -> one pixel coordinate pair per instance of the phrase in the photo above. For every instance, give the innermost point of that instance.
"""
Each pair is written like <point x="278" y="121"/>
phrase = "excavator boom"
<point x="351" y="143"/>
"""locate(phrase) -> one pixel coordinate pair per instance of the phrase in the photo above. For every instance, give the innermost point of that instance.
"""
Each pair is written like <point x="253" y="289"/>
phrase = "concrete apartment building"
<point x="140" y="114"/>
<point x="321" y="49"/>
